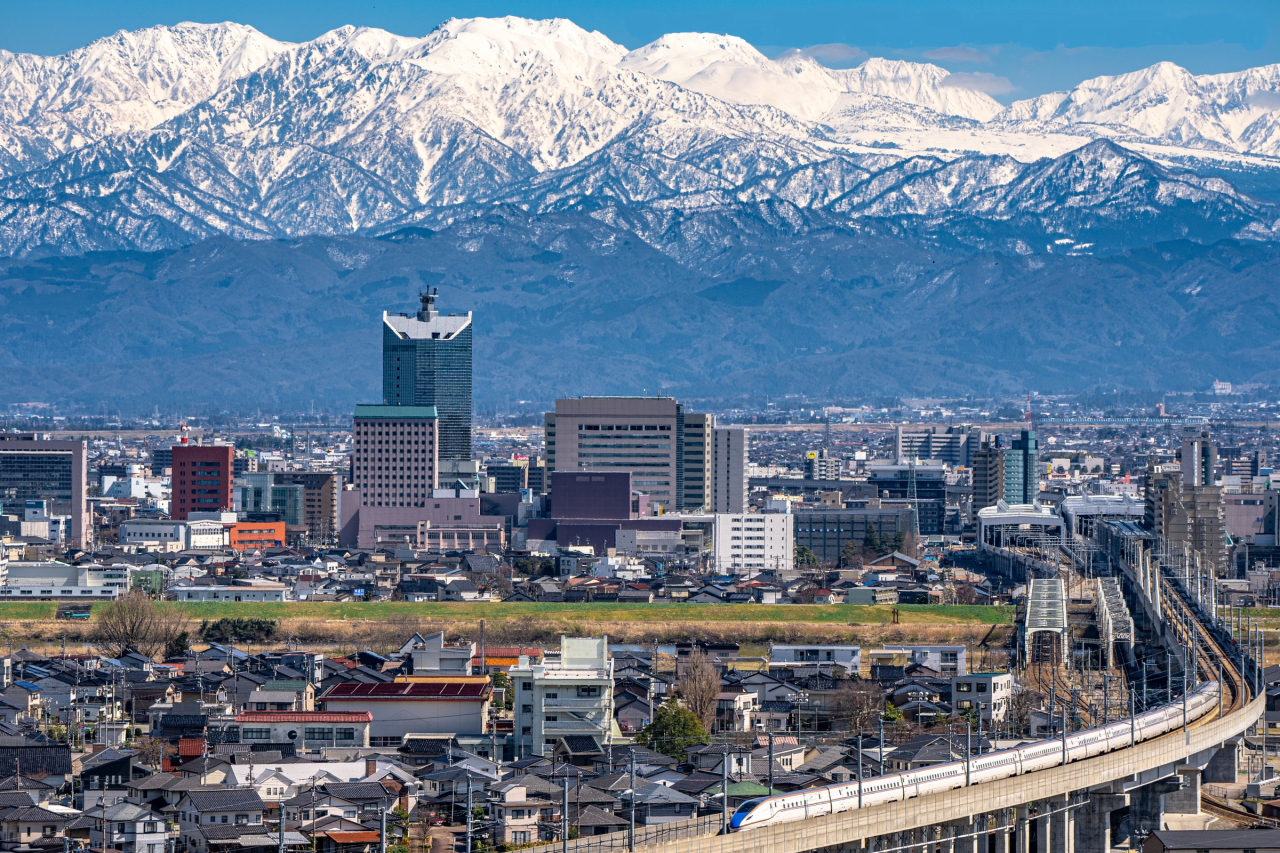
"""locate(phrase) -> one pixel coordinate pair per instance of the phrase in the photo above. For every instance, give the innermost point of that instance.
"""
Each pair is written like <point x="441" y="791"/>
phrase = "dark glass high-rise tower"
<point x="1022" y="469"/>
<point x="426" y="361"/>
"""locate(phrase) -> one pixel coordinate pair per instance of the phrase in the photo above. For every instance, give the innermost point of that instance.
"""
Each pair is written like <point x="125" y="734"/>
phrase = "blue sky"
<point x="1013" y="49"/>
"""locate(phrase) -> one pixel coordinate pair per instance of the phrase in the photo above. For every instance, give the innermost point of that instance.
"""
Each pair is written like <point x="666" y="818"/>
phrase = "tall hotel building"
<point x="393" y="461"/>
<point x="426" y="361"/>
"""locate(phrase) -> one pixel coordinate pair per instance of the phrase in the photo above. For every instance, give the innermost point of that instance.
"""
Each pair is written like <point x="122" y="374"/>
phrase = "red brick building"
<point x="201" y="479"/>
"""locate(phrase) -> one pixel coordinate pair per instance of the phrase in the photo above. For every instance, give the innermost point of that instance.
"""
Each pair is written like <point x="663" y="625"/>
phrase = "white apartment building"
<point x="236" y="592"/>
<point x="169" y="536"/>
<point x="565" y="698"/>
<point x="989" y="691"/>
<point x="52" y="579"/>
<point x="729" y="470"/>
<point x="753" y="541"/>
<point x="947" y="660"/>
<point x="849" y="657"/>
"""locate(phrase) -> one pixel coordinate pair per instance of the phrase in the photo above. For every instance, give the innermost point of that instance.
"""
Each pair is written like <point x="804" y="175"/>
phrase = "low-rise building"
<point x="519" y="818"/>
<point x="990" y="692"/>
<point x="849" y="657"/>
<point x="753" y="541"/>
<point x="202" y="814"/>
<point x="946" y="660"/>
<point x="171" y="535"/>
<point x="308" y="730"/>
<point x="457" y="705"/>
<point x="128" y="828"/>
<point x="232" y="592"/>
<point x="564" y="698"/>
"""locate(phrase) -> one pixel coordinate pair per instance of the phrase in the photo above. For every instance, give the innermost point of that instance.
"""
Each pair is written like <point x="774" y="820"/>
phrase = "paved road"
<point x="446" y="839"/>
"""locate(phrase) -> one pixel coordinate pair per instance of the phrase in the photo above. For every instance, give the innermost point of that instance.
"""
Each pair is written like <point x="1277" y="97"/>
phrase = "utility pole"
<point x="382" y="820"/>
<point x="859" y="771"/>
<point x="631" y="835"/>
<point x="1064" y="735"/>
<point x="564" y="819"/>
<point x="771" y="759"/>
<point x="1133" y="718"/>
<point x="724" y="792"/>
<point x="968" y="748"/>
<point x="468" y="850"/>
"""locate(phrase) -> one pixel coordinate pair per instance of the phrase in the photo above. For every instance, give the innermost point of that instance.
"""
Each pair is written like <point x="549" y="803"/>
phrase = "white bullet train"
<point x="1028" y="758"/>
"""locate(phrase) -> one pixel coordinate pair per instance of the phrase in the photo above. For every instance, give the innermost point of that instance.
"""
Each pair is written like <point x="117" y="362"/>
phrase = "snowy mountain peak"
<point x="728" y="68"/>
<point x="126" y="81"/>
<point x="369" y="42"/>
<point x="1229" y="112"/>
<point x="918" y="83"/>
<point x="513" y="36"/>
<point x="179" y="133"/>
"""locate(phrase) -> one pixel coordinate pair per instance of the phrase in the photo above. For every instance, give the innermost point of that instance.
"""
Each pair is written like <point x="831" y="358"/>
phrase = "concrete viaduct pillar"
<point x="1044" y="828"/>
<point x="1022" y="831"/>
<point x="1003" y="836"/>
<point x="1062" y="836"/>
<point x="1093" y="826"/>
<point x="965" y="841"/>
<point x="1224" y="766"/>
<point x="1168" y="804"/>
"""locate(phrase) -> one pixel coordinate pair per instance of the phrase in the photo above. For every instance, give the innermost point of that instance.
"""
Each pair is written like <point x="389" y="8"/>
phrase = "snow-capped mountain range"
<point x="165" y="136"/>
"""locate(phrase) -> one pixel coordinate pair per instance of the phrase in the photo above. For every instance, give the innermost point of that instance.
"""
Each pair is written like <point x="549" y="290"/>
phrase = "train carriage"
<point x="1040" y="755"/>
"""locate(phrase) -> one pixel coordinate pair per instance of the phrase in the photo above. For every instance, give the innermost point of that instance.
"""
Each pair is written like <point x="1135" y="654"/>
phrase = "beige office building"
<point x="666" y="450"/>
<point x="729" y="470"/>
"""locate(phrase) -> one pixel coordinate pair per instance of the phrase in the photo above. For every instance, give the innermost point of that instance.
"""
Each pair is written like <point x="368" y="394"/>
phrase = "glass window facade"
<point x="432" y="372"/>
<point x="36" y="476"/>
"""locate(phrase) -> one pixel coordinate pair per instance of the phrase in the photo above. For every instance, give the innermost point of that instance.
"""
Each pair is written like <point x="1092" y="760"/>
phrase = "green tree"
<point x="500" y="679"/>
<point x="871" y="539"/>
<point x="899" y="542"/>
<point x="805" y="557"/>
<point x="177" y="645"/>
<point x="672" y="730"/>
<point x="850" y="555"/>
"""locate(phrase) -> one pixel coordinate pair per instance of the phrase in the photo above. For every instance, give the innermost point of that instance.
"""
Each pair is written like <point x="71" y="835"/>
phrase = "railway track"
<point x="1247" y="820"/>
<point x="1211" y="655"/>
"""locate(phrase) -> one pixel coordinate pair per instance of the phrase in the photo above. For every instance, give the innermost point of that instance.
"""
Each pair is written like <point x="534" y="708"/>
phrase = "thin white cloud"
<point x="979" y="81"/>
<point x="835" y="55"/>
<point x="959" y="53"/>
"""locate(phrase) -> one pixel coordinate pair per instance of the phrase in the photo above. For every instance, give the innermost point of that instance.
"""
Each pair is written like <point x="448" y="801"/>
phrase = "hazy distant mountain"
<point x="160" y="138"/>
<point x="568" y="302"/>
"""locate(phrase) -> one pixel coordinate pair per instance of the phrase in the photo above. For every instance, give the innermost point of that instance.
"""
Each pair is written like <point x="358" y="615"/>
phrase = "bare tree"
<point x="859" y="703"/>
<point x="1023" y="701"/>
<point x="135" y="623"/>
<point x="153" y="750"/>
<point x="700" y="687"/>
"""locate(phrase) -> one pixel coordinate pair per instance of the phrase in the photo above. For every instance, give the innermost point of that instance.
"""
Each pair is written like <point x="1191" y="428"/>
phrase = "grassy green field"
<point x="834" y="614"/>
<point x="18" y="610"/>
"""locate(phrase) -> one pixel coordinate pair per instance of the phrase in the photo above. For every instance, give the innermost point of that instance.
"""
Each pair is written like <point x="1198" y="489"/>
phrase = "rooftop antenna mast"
<point x="428" y="297"/>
